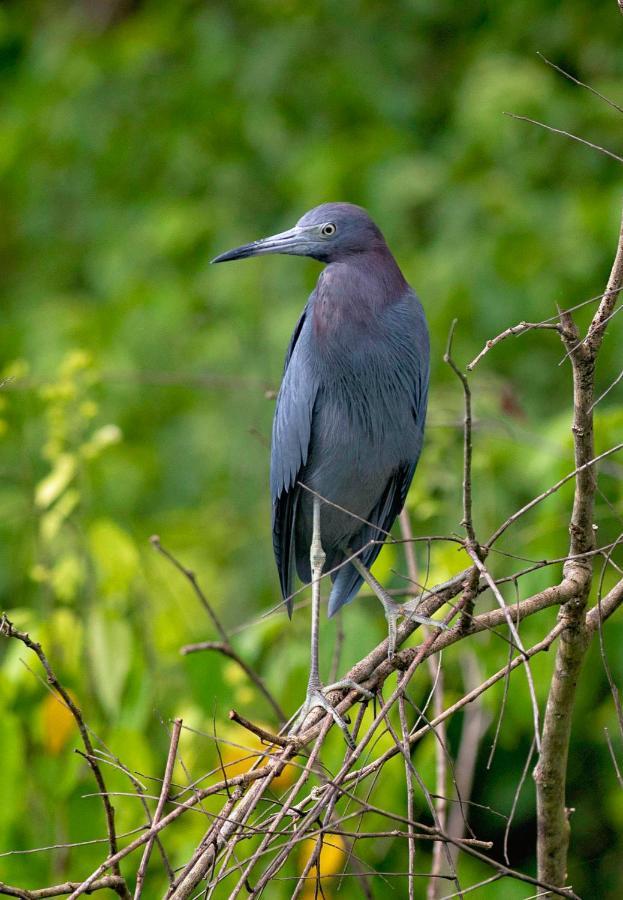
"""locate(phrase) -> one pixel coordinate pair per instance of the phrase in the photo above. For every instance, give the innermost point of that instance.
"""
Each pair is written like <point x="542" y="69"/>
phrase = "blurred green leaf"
<point x="53" y="485"/>
<point x="110" y="647"/>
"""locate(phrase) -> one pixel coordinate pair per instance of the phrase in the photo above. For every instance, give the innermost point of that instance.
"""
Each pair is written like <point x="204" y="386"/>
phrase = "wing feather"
<point x="290" y="449"/>
<point x="347" y="579"/>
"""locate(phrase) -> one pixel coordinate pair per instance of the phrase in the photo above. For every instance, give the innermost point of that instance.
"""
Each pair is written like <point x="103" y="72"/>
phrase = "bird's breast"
<point x="372" y="384"/>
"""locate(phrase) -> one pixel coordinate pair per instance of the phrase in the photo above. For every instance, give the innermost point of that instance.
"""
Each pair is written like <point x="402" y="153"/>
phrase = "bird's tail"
<point x="347" y="579"/>
<point x="345" y="587"/>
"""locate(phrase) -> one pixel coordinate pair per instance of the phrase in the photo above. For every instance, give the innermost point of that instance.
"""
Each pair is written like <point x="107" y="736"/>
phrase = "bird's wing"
<point x="347" y="580"/>
<point x="290" y="448"/>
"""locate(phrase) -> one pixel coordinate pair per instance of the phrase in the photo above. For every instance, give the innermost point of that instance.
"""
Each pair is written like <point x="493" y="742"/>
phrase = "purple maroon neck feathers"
<point x="355" y="289"/>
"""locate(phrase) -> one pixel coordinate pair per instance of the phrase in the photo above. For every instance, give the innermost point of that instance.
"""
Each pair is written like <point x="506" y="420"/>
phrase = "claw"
<point x="348" y="683"/>
<point x="395" y="611"/>
<point x="317" y="696"/>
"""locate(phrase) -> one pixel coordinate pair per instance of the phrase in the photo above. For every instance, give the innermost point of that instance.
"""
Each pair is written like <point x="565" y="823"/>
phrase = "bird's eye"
<point x="329" y="229"/>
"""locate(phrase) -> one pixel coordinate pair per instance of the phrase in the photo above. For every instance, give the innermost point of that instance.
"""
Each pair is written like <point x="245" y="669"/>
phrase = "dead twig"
<point x="513" y="331"/>
<point x="265" y="736"/>
<point x="109" y="882"/>
<point x="224" y="646"/>
<point x="7" y="629"/>
<point x="164" y="793"/>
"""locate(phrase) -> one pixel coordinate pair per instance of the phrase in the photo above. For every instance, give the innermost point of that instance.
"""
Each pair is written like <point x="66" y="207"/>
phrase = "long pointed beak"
<point x="293" y="242"/>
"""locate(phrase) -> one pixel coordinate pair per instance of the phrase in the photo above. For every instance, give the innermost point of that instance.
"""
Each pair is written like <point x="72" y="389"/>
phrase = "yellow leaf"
<point x="238" y="760"/>
<point x="330" y="862"/>
<point x="57" y="723"/>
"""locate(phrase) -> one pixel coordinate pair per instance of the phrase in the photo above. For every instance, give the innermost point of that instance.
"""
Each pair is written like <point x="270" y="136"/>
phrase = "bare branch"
<point x="573" y="137"/>
<point x="164" y="793"/>
<point x="265" y="736"/>
<point x="108" y="882"/>
<point x="7" y="629"/>
<point x="513" y="331"/>
<point x="224" y="646"/>
<point x="597" y="327"/>
<point x="550" y="772"/>
<point x="580" y="83"/>
<point x="467" y="440"/>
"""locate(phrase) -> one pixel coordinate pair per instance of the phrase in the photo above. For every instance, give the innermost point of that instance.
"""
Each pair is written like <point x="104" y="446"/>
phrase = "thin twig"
<point x="225" y="645"/>
<point x="513" y="331"/>
<point x="410" y="799"/>
<point x="573" y="137"/>
<point x="109" y="882"/>
<point x="8" y="630"/>
<point x="164" y="793"/>
<point x="580" y="83"/>
<point x="467" y="522"/>
<point x="265" y="736"/>
<point x="552" y="490"/>
<point x="518" y="642"/>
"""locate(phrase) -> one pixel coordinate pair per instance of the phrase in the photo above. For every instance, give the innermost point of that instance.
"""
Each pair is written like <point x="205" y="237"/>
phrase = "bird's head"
<point x="329" y="233"/>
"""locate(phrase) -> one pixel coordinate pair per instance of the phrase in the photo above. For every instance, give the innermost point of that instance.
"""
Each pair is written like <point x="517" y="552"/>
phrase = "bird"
<point x="349" y="419"/>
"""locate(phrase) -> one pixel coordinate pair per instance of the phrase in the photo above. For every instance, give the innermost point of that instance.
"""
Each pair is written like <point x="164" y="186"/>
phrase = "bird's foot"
<point x="407" y="610"/>
<point x="317" y="697"/>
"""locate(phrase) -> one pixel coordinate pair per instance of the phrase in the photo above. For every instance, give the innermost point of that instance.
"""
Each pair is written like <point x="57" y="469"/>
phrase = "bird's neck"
<point x="355" y="291"/>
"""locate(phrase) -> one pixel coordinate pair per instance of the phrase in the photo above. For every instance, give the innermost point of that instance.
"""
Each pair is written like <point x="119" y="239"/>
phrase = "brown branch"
<point x="410" y="799"/>
<point x="224" y="646"/>
<point x="8" y="630"/>
<point x="265" y="736"/>
<point x="513" y="331"/>
<point x="573" y="137"/>
<point x="579" y="470"/>
<point x="605" y="608"/>
<point x="467" y="441"/>
<point x="441" y="803"/>
<point x="551" y="769"/>
<point x="164" y="793"/>
<point x="597" y="327"/>
<point x="108" y="882"/>
<point x="261" y="778"/>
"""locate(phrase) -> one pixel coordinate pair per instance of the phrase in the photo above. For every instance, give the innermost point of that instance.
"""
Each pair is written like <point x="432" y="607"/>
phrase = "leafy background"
<point x="137" y="140"/>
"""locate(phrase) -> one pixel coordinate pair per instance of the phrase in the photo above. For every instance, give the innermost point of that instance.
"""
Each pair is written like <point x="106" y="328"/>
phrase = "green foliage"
<point x="135" y="398"/>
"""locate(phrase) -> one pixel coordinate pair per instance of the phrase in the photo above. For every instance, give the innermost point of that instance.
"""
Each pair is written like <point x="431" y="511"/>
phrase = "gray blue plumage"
<point x="349" y="419"/>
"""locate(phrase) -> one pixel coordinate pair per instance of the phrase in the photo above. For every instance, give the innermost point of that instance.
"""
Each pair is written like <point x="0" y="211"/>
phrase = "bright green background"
<point x="132" y="150"/>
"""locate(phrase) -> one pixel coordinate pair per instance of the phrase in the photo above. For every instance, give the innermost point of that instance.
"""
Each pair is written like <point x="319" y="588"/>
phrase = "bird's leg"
<point x="316" y="694"/>
<point x="393" y="611"/>
<point x="317" y="558"/>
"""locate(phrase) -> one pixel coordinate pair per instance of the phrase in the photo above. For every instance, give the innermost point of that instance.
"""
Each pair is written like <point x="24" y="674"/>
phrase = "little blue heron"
<point x="349" y="420"/>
